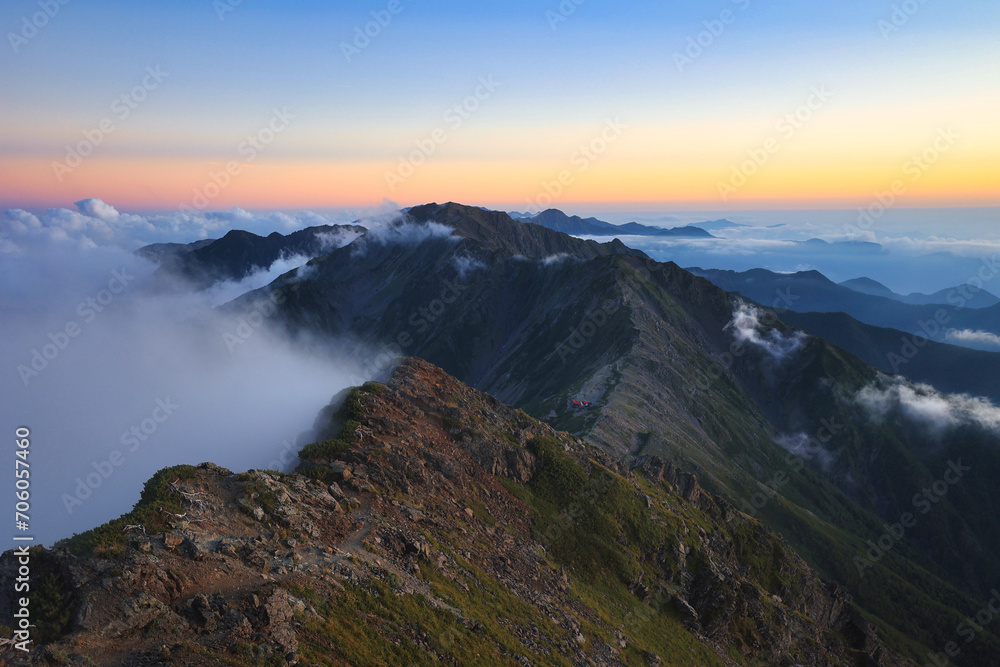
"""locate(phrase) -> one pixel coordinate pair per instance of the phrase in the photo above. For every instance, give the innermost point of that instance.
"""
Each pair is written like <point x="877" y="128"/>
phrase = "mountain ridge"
<point x="557" y="220"/>
<point x="437" y="506"/>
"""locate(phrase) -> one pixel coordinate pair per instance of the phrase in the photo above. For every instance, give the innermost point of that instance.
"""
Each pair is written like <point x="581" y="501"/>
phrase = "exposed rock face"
<point x="431" y="550"/>
<point x="659" y="470"/>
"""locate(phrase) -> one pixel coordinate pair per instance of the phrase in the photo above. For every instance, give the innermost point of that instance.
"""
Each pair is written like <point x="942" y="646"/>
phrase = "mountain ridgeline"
<point x="557" y="220"/>
<point x="801" y="434"/>
<point x="963" y="307"/>
<point x="240" y="254"/>
<point x="436" y="525"/>
<point x="884" y="488"/>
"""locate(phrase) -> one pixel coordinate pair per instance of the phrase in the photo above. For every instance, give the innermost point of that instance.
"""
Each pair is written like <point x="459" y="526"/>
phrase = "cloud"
<point x="806" y="448"/>
<point x="466" y="265"/>
<point x="96" y="223"/>
<point x="339" y="239"/>
<point x="224" y="292"/>
<point x="925" y="405"/>
<point x="96" y="208"/>
<point x="978" y="340"/>
<point x="555" y="259"/>
<point x="410" y="233"/>
<point x="747" y="327"/>
<point x="401" y="231"/>
<point x="89" y="355"/>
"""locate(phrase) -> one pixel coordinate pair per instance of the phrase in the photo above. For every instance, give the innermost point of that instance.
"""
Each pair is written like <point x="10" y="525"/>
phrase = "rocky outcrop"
<point x="655" y="468"/>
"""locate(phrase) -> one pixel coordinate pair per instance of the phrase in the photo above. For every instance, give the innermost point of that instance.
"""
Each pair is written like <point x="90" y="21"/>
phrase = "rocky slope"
<point x="436" y="525"/>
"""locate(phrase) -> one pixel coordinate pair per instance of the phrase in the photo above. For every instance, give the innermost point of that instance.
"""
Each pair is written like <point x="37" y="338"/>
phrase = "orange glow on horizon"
<point x="166" y="184"/>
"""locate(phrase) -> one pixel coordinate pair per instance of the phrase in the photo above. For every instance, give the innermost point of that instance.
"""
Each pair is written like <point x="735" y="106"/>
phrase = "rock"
<point x="688" y="614"/>
<point x="173" y="540"/>
<point x="137" y="612"/>
<point x="196" y="549"/>
<point x="335" y="491"/>
<point x="360" y="485"/>
<point x="689" y="488"/>
<point x="341" y="470"/>
<point x="412" y="514"/>
<point x="279" y="612"/>
<point x="217" y="469"/>
<point x="521" y="465"/>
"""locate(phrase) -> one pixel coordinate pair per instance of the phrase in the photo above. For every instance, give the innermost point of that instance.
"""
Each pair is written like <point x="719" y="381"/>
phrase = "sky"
<point x="725" y="105"/>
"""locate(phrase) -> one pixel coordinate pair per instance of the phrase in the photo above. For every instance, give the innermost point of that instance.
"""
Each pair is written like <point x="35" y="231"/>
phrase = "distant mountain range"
<point x="811" y="291"/>
<point x="575" y="225"/>
<point x="970" y="297"/>
<point x="717" y="225"/>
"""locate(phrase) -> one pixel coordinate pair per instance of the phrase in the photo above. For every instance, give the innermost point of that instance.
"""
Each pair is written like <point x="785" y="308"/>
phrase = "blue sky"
<point x="606" y="60"/>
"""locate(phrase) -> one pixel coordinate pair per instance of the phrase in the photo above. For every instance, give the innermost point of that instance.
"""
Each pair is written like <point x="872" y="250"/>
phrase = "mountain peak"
<point x="495" y="230"/>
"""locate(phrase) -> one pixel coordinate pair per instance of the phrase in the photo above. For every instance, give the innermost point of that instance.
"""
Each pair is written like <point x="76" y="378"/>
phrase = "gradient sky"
<point x="559" y="86"/>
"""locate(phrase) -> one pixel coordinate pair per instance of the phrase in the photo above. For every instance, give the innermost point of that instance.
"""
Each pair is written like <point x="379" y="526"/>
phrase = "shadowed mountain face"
<point x="948" y="368"/>
<point x="811" y="291"/>
<point x="789" y="428"/>
<point x="240" y="254"/>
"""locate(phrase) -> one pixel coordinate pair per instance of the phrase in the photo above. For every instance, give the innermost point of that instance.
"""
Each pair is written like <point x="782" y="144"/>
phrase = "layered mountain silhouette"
<point x="717" y="225"/>
<point x="974" y="298"/>
<point x="577" y="226"/>
<point x="961" y="308"/>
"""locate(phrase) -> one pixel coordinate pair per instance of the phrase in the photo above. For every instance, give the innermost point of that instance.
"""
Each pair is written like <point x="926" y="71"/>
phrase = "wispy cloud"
<point x="809" y="449"/>
<point x="979" y="340"/>
<point x="925" y="405"/>
<point x="747" y="326"/>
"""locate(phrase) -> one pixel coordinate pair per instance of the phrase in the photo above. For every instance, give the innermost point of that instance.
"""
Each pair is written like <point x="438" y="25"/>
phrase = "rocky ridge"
<point x="438" y="525"/>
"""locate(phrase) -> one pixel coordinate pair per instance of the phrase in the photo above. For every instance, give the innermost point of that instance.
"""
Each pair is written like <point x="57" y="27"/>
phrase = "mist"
<point x="747" y="327"/>
<point x="928" y="407"/>
<point x="807" y="448"/>
<point x="115" y="383"/>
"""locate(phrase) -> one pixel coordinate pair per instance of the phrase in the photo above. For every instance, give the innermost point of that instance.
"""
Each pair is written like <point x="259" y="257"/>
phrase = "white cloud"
<point x="466" y="265"/>
<point x="555" y="259"/>
<point x="96" y="208"/>
<point x="924" y="404"/>
<point x="979" y="340"/>
<point x="225" y="292"/>
<point x="401" y="232"/>
<point x="96" y="223"/>
<point x="747" y="327"/>
<point x="130" y="347"/>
